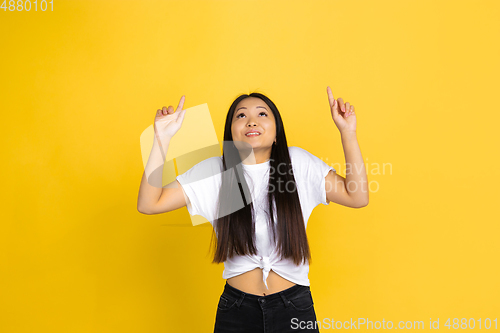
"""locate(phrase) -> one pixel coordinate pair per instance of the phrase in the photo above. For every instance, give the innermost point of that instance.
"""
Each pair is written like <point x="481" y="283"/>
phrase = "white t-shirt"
<point x="202" y="182"/>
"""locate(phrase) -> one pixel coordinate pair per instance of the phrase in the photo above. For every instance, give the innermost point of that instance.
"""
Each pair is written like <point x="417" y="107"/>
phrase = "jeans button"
<point x="262" y="300"/>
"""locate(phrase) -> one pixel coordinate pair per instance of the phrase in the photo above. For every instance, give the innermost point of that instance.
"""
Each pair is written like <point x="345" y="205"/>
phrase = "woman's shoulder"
<point x="214" y="161"/>
<point x="295" y="150"/>
<point x="298" y="154"/>
<point x="204" y="169"/>
<point x="302" y="157"/>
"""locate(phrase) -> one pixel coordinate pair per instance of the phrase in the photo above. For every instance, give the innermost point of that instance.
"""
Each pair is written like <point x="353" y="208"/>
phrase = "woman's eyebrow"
<point x="244" y="107"/>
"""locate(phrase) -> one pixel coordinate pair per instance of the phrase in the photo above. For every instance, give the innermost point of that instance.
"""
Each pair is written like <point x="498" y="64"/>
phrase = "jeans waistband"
<point x="287" y="293"/>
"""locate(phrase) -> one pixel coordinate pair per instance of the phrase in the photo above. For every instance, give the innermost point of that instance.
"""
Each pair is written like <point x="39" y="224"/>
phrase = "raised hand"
<point x="343" y="114"/>
<point x="167" y="121"/>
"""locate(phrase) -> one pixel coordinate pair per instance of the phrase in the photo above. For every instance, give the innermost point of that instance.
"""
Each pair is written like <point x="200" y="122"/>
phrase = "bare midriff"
<point x="252" y="282"/>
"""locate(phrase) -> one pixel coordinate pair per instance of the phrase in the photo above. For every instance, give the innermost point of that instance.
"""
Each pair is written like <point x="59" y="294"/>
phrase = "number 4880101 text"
<point x="27" y="5"/>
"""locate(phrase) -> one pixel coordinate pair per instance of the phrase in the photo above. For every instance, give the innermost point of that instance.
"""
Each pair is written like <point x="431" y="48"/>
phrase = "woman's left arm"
<point x="351" y="191"/>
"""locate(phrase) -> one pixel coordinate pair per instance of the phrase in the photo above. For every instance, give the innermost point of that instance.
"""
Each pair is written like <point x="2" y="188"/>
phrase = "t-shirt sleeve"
<point x="201" y="186"/>
<point x="313" y="172"/>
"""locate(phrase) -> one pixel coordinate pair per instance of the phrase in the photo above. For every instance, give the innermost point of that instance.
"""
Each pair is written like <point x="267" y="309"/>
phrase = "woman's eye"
<point x="238" y="116"/>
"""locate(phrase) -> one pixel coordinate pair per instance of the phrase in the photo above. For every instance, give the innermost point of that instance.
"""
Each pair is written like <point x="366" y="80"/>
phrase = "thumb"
<point x="180" y="118"/>
<point x="335" y="108"/>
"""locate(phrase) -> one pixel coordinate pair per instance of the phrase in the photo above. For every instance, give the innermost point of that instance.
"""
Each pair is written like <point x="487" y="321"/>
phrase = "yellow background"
<point x="80" y="84"/>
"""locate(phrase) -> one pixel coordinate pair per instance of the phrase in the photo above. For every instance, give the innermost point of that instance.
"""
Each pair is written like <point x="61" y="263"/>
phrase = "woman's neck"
<point x="257" y="157"/>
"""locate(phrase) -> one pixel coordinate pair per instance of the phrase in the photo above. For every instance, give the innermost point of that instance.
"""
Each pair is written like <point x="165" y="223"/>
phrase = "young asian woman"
<point x="258" y="200"/>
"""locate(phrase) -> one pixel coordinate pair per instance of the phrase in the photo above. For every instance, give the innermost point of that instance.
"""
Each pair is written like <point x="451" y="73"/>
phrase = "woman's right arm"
<point x="153" y="197"/>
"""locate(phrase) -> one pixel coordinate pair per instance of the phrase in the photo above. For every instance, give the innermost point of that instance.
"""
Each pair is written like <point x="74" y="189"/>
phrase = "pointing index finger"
<point x="330" y="96"/>
<point x="181" y="103"/>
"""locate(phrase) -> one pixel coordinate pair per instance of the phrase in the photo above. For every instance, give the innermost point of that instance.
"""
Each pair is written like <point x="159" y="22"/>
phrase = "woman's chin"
<point x="259" y="145"/>
<point x="253" y="144"/>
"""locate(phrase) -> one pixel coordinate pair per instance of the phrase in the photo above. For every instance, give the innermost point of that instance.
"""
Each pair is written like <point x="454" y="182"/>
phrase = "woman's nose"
<point x="251" y="122"/>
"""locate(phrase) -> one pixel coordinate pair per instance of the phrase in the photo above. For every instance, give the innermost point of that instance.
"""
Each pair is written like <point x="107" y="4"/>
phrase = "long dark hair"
<point x="234" y="227"/>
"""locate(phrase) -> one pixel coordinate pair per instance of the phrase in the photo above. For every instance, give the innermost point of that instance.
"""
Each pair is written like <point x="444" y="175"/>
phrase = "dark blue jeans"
<point x="290" y="310"/>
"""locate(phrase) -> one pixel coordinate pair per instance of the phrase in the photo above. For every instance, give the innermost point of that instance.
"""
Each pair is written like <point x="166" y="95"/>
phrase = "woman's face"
<point x="252" y="113"/>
